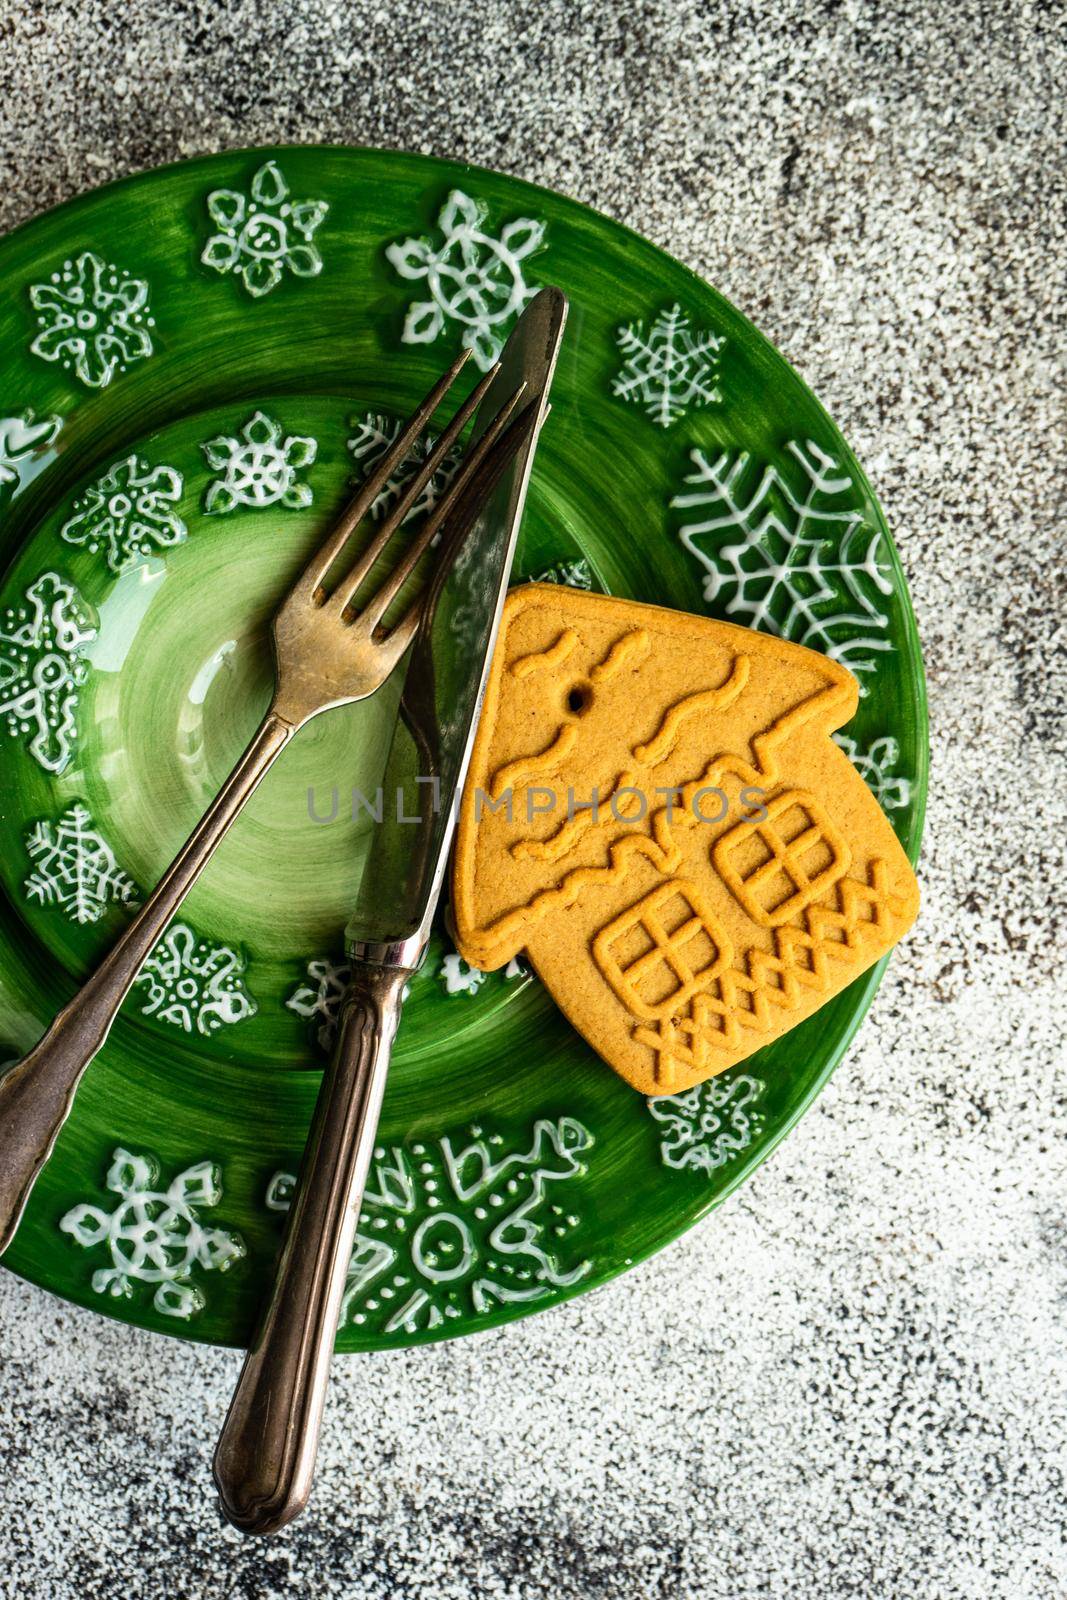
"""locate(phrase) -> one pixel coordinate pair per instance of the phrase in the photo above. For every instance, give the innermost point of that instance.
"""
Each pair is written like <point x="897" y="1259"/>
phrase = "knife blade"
<point x="445" y="681"/>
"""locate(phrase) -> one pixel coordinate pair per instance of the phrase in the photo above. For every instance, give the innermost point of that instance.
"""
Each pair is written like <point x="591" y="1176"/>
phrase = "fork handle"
<point x="37" y="1093"/>
<point x="266" y="1452"/>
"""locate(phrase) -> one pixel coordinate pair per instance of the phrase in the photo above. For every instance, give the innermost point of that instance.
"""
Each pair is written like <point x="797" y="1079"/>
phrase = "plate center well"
<point x="146" y="597"/>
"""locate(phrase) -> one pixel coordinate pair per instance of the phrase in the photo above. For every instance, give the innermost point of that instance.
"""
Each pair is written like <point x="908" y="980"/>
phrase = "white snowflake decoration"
<point x="447" y="1231"/>
<point x="93" y="318"/>
<point x="472" y="278"/>
<point x="75" y="867"/>
<point x="127" y="512"/>
<point x="265" y="234"/>
<point x="710" y="1125"/>
<point x="155" y="1236"/>
<point x="259" y="468"/>
<point x="875" y="765"/>
<point x="372" y="438"/>
<point x="41" y="668"/>
<point x="790" y="553"/>
<point x="319" y="999"/>
<point x="458" y="977"/>
<point x="670" y="368"/>
<point x="193" y="984"/>
<point x="576" y="574"/>
<point x="22" y="438"/>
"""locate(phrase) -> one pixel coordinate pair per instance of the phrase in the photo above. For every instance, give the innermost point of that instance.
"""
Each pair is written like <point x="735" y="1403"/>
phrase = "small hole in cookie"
<point x="579" y="699"/>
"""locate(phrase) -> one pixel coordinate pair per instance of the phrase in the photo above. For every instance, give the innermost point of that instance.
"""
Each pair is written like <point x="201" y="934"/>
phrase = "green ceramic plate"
<point x="195" y="366"/>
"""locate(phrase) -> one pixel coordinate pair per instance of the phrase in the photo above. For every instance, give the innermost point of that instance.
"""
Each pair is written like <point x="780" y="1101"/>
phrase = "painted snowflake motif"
<point x="41" y="668"/>
<point x="708" y="1126"/>
<point x="459" y="978"/>
<point x="155" y="1235"/>
<point x="75" y="868"/>
<point x="788" y="551"/>
<point x="22" y="438"/>
<point x="449" y="1230"/>
<point x="127" y="512"/>
<point x="259" y="467"/>
<point x="875" y="765"/>
<point x="472" y="278"/>
<point x="319" y="999"/>
<point x="576" y="574"/>
<point x="372" y="438"/>
<point x="671" y="368"/>
<point x="193" y="984"/>
<point x="94" y="319"/>
<point x="265" y="234"/>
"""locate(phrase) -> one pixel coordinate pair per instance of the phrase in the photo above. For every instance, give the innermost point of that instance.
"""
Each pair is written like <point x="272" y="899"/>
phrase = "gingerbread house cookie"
<point x="657" y="815"/>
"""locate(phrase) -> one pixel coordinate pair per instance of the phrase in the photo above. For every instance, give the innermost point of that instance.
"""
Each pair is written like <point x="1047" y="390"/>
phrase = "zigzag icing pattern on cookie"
<point x="768" y="983"/>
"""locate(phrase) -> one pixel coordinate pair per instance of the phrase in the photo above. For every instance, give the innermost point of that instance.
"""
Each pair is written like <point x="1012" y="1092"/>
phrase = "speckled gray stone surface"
<point x="851" y="1381"/>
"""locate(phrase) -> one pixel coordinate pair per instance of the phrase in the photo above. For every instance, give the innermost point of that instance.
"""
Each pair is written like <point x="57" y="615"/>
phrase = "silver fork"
<point x="328" y="651"/>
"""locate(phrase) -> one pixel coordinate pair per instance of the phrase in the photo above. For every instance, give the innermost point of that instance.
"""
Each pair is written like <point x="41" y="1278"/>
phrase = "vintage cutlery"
<point x="266" y="1453"/>
<point x="331" y="646"/>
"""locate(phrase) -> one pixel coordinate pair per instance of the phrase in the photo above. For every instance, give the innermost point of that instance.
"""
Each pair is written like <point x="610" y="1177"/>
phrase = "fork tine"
<point x="483" y="485"/>
<point x="352" y="579"/>
<point x="371" y="614"/>
<point x="371" y="487"/>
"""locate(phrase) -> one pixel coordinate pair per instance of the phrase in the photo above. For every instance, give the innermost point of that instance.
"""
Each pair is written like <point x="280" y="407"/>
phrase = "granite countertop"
<point x="851" y="1380"/>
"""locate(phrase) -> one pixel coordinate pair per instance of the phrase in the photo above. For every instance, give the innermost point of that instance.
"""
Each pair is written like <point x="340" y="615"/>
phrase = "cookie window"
<point x="659" y="952"/>
<point x="777" y="867"/>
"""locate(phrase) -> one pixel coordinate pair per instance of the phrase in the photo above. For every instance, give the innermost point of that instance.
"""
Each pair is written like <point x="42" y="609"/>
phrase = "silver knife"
<point x="265" y="1457"/>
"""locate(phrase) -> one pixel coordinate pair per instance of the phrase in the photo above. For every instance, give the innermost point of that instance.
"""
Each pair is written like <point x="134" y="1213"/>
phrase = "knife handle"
<point x="265" y="1456"/>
